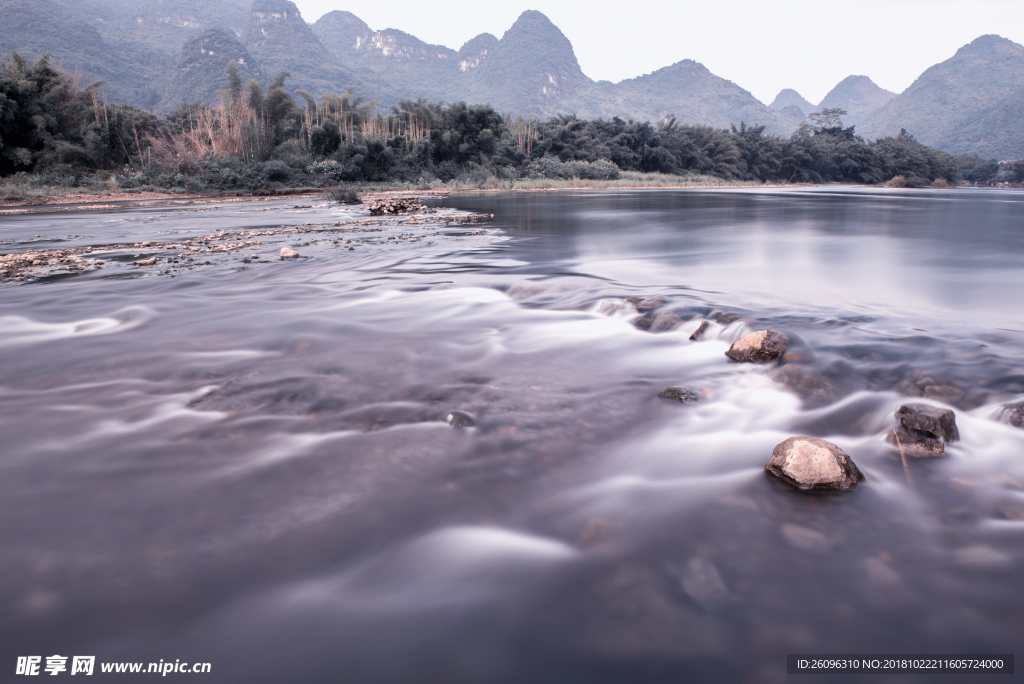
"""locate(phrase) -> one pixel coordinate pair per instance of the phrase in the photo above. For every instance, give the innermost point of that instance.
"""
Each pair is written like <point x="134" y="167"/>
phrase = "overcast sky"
<point x="761" y="45"/>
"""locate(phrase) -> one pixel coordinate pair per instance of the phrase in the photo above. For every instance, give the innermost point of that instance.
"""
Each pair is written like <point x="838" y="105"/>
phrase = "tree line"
<point x="265" y="135"/>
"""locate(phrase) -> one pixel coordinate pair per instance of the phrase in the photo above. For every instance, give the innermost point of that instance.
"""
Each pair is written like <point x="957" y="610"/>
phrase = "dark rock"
<point x="809" y="387"/>
<point x="683" y="394"/>
<point x="460" y="419"/>
<point x="649" y="304"/>
<point x="758" y="347"/>
<point x="812" y="463"/>
<point x="928" y="421"/>
<point x="665" y="322"/>
<point x="699" y="332"/>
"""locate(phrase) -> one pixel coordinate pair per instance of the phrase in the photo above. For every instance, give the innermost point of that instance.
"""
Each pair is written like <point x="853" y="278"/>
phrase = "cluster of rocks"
<point x="810" y="463"/>
<point x="394" y="205"/>
<point x="35" y="263"/>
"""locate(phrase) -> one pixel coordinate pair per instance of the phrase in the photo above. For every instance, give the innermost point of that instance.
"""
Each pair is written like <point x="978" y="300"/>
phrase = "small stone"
<point x="147" y="262"/>
<point x="665" y="322"/>
<point x="758" y="347"/>
<point x="683" y="394"/>
<point x="649" y="304"/>
<point x="460" y="419"/>
<point x="699" y="332"/>
<point x="289" y="253"/>
<point x="927" y="421"/>
<point x="812" y="463"/>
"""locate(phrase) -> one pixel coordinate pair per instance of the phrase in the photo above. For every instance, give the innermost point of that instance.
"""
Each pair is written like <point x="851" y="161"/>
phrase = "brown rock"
<point x="812" y="463"/>
<point x="699" y="332"/>
<point x="289" y="253"/>
<point x="758" y="347"/>
<point x="146" y="262"/>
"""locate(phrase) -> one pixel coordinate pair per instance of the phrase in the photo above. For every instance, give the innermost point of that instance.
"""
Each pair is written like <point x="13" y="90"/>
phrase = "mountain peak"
<point x="788" y="97"/>
<point x="969" y="103"/>
<point x="859" y="96"/>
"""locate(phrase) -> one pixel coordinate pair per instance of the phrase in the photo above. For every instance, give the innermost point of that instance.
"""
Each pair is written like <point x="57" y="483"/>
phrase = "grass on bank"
<point x="24" y="187"/>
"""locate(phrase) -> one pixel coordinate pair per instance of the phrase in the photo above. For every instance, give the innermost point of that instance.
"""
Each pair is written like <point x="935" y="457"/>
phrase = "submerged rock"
<point x="289" y="253"/>
<point x="460" y="419"/>
<point x="758" y="347"/>
<point x="683" y="394"/>
<point x="923" y="430"/>
<point x="146" y="262"/>
<point x="812" y="463"/>
<point x="699" y="332"/>
<point x="665" y="322"/>
<point x="644" y="305"/>
<point x="805" y="385"/>
<point x="1014" y="413"/>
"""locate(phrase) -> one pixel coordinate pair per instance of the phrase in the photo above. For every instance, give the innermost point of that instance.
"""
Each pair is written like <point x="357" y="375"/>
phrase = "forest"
<point x="263" y="136"/>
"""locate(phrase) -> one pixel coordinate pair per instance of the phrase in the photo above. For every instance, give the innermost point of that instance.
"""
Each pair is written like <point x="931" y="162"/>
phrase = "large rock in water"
<point x="758" y="347"/>
<point x="812" y="463"/>
<point x="922" y="430"/>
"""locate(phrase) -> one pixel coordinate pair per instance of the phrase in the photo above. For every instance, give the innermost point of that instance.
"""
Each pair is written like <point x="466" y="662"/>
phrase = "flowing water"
<point x="248" y="461"/>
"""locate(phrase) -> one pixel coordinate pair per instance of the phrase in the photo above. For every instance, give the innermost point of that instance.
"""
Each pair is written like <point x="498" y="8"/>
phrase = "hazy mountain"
<point x="972" y="102"/>
<point x="532" y="70"/>
<point x="788" y="97"/>
<point x="688" y="90"/>
<point x="39" y="27"/>
<point x="858" y="95"/>
<point x="199" y="73"/>
<point x="401" y="62"/>
<point x="280" y="39"/>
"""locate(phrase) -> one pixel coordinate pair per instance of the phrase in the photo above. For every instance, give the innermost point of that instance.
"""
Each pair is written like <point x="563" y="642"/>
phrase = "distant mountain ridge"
<point x="157" y="53"/>
<point x="971" y="103"/>
<point x="858" y="96"/>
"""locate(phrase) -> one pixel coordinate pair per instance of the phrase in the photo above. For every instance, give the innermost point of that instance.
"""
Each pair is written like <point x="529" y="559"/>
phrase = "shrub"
<point x="343" y="194"/>
<point x="276" y="170"/>
<point x="896" y="182"/>
<point x="328" y="170"/>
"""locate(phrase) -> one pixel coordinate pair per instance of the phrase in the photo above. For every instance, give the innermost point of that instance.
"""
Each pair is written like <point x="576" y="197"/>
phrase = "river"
<point x="245" y="460"/>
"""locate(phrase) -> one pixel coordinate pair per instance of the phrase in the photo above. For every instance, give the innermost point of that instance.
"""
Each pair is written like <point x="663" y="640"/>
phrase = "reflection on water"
<point x="251" y="463"/>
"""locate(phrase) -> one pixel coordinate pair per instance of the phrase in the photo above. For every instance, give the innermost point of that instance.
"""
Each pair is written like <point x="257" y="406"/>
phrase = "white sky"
<point x="761" y="45"/>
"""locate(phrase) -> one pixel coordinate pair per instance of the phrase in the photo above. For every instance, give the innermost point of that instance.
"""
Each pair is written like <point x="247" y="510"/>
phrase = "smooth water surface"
<point x="248" y="462"/>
